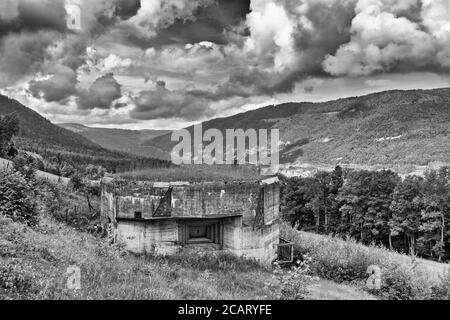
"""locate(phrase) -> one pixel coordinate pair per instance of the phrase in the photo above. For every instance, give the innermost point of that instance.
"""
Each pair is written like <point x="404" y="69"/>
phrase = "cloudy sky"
<point x="162" y="64"/>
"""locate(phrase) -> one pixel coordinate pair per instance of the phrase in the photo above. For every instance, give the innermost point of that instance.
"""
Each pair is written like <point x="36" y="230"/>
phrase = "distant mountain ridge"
<point x="34" y="126"/>
<point x="121" y="140"/>
<point x="398" y="127"/>
<point x="61" y="147"/>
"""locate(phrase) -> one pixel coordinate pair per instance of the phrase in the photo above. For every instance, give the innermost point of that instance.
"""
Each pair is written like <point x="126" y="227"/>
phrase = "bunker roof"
<point x="196" y="173"/>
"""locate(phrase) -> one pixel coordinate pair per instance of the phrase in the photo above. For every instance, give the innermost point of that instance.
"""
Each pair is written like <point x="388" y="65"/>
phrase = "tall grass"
<point x="195" y="173"/>
<point x="348" y="261"/>
<point x="34" y="262"/>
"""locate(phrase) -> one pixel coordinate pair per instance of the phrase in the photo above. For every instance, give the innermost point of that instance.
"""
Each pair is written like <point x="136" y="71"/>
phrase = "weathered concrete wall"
<point x="259" y="244"/>
<point x="161" y="237"/>
<point x="271" y="203"/>
<point x="248" y="212"/>
<point x="193" y="200"/>
<point x="157" y="237"/>
<point x="232" y="234"/>
<point x="211" y="199"/>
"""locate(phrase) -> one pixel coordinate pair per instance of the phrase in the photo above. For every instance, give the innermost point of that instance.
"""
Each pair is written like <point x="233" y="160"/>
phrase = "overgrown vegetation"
<point x="17" y="197"/>
<point x="57" y="150"/>
<point x="44" y="233"/>
<point x="34" y="262"/>
<point x="196" y="173"/>
<point x="347" y="261"/>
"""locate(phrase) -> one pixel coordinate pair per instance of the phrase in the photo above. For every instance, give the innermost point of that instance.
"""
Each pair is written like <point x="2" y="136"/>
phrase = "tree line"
<point x="408" y="215"/>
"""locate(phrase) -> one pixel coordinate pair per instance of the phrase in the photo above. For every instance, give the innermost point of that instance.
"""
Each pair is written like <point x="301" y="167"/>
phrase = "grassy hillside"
<point x="386" y="128"/>
<point x="35" y="127"/>
<point x="33" y="265"/>
<point x="122" y="140"/>
<point x="34" y="262"/>
<point x="347" y="262"/>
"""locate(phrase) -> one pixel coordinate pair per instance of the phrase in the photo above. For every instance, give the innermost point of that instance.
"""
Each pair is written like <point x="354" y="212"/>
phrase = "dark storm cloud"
<point x="23" y="54"/>
<point x="208" y="23"/>
<point x="329" y="29"/>
<point x="250" y="48"/>
<point x="126" y="9"/>
<point x="30" y="15"/>
<point x="60" y="86"/>
<point x="162" y="103"/>
<point x="102" y="93"/>
<point x="33" y="32"/>
<point x="248" y="82"/>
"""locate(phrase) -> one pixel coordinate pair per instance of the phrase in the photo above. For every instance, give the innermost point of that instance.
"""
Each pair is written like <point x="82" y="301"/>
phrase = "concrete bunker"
<point x="161" y="217"/>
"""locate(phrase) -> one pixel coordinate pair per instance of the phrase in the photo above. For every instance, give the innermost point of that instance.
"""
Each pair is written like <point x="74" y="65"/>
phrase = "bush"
<point x="396" y="285"/>
<point x="49" y="197"/>
<point x="441" y="291"/>
<point x="14" y="279"/>
<point x="77" y="182"/>
<point x="17" y="197"/>
<point x="24" y="164"/>
<point x="297" y="281"/>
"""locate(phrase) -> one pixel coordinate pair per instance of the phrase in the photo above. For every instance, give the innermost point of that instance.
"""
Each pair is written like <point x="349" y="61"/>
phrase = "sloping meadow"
<point x="346" y="261"/>
<point x="34" y="264"/>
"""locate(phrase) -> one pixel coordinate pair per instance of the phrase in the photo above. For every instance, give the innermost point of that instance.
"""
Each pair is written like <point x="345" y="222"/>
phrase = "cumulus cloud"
<point x="60" y="85"/>
<point x="162" y="103"/>
<point x="271" y="31"/>
<point x="384" y="39"/>
<point x="32" y="15"/>
<point x="105" y="63"/>
<point x="159" y="14"/>
<point x="23" y="54"/>
<point x="212" y="52"/>
<point x="101" y="94"/>
<point x="287" y="43"/>
<point x="8" y="10"/>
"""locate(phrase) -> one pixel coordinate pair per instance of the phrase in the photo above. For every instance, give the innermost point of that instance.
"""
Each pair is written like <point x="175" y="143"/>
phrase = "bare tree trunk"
<point x="413" y="246"/>
<point x="390" y="241"/>
<point x="317" y="221"/>
<point x="89" y="203"/>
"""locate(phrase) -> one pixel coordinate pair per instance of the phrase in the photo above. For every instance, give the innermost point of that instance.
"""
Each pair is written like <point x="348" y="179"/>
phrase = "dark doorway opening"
<point x="201" y="232"/>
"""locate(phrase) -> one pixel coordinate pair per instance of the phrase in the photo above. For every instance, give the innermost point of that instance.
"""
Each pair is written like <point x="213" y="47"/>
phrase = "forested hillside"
<point x="129" y="141"/>
<point x="409" y="215"/>
<point x="389" y="128"/>
<point x="64" y="151"/>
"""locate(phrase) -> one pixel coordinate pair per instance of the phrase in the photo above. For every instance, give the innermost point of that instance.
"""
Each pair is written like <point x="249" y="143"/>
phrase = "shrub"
<point x="441" y="291"/>
<point x="24" y="164"/>
<point x="77" y="182"/>
<point x="17" y="197"/>
<point x="14" y="279"/>
<point x="49" y="197"/>
<point x="396" y="284"/>
<point x="296" y="282"/>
